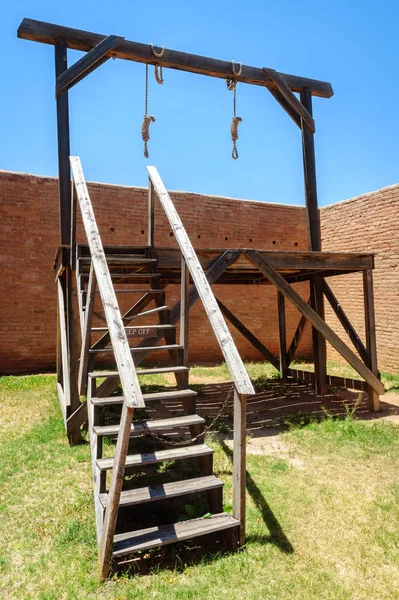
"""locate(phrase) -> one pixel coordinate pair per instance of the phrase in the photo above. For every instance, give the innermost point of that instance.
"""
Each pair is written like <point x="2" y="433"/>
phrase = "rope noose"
<point x="232" y="86"/>
<point x="158" y="69"/>
<point x="147" y="119"/>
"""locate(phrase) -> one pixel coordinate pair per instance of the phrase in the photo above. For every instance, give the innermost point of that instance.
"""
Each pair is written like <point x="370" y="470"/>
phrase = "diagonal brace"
<point x="249" y="335"/>
<point x="289" y="101"/>
<point x="317" y="322"/>
<point x="87" y="64"/>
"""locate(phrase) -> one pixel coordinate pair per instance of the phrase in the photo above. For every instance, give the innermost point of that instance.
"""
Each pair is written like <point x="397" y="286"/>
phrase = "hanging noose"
<point x="147" y="119"/>
<point x="232" y="86"/>
<point x="158" y="69"/>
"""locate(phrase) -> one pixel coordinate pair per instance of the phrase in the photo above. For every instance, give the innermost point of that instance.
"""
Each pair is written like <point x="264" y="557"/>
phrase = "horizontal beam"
<point x="87" y="64"/>
<point x="76" y="39"/>
<point x="332" y="380"/>
<point x="317" y="322"/>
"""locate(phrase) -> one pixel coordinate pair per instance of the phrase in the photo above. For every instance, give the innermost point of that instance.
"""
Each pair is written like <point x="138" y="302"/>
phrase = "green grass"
<point x="326" y="530"/>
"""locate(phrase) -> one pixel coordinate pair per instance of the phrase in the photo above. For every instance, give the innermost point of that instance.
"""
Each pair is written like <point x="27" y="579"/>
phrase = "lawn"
<point x="323" y="526"/>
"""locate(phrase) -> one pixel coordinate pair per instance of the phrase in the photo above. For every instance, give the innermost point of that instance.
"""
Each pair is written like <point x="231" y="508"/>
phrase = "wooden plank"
<point x="181" y="453"/>
<point x="297" y="338"/>
<point x="345" y="322"/>
<point x="63" y="145"/>
<point x="160" y="396"/>
<point x="290" y="98"/>
<point x="316" y="321"/>
<point x="282" y="335"/>
<point x="86" y="335"/>
<point x="249" y="335"/>
<point x="64" y="344"/>
<point x="286" y="106"/>
<point x="115" y="489"/>
<point x="309" y="167"/>
<point x="145" y="539"/>
<point x="166" y="490"/>
<point x="331" y="380"/>
<point x="184" y="309"/>
<point x="156" y="425"/>
<point x="155" y="370"/>
<point x="120" y="344"/>
<point x="151" y="215"/>
<point x="239" y="461"/>
<point x="318" y="340"/>
<point x="87" y="64"/>
<point x="371" y="341"/>
<point x="141" y="349"/>
<point x="220" y="329"/>
<point x="48" y="33"/>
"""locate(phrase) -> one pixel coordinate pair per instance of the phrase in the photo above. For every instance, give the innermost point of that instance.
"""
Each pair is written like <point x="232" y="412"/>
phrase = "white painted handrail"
<point x="233" y="360"/>
<point x="124" y="361"/>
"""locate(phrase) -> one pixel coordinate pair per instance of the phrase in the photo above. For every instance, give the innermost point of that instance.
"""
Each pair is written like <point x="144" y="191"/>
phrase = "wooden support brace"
<point x="346" y="324"/>
<point x="317" y="322"/>
<point x="296" y="338"/>
<point x="296" y="107"/>
<point x="87" y="64"/>
<point x="282" y="335"/>
<point x="371" y="341"/>
<point x="256" y="343"/>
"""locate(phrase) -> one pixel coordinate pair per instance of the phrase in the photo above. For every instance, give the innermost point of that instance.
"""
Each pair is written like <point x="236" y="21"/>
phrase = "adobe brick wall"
<point x="368" y="223"/>
<point x="29" y="236"/>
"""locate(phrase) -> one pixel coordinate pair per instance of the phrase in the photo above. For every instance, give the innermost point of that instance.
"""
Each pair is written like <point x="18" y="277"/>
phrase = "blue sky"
<point x="353" y="44"/>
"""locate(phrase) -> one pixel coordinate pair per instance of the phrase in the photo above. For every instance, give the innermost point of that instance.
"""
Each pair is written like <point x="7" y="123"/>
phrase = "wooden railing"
<point x="242" y="383"/>
<point x="133" y="397"/>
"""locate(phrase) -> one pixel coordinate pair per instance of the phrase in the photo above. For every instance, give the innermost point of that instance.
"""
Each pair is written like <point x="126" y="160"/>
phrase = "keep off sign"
<point x="142" y="332"/>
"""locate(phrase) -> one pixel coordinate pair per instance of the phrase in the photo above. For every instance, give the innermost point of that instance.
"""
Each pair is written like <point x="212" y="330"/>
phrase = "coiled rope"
<point x="232" y="86"/>
<point x="148" y="119"/>
<point x="158" y="69"/>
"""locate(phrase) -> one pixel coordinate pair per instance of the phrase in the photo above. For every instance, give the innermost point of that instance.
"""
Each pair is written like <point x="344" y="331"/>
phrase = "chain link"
<point x="165" y="440"/>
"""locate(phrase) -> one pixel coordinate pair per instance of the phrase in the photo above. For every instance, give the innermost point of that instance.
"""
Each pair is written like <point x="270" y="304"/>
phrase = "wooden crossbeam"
<point x="291" y="100"/>
<point x="87" y="64"/>
<point x="346" y="324"/>
<point x="297" y="338"/>
<point x="48" y="33"/>
<point x="316" y="321"/>
<point x="249" y="335"/>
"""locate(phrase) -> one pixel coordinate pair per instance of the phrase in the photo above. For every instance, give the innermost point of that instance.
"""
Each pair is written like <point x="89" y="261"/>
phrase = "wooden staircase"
<point x="160" y="457"/>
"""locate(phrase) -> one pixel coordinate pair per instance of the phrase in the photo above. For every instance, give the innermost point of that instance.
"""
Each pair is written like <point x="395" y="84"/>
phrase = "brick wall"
<point x="368" y="223"/>
<point x="29" y="237"/>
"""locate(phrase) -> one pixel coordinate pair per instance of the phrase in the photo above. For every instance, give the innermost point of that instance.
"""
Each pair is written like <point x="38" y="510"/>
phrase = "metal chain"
<point x="170" y="442"/>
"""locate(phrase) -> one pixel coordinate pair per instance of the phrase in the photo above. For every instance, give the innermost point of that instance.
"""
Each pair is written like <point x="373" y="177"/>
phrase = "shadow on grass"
<point x="277" y="535"/>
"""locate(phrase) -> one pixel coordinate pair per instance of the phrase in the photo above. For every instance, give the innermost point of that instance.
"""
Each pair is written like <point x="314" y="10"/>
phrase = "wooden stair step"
<point x="141" y="349"/>
<point x="155" y="425"/>
<point x="170" y="395"/>
<point x="180" y="453"/>
<point x="122" y="260"/>
<point x="135" y="291"/>
<point x="175" y="369"/>
<point x="148" y="312"/>
<point x="138" y="327"/>
<point x="127" y="275"/>
<point x="145" y="539"/>
<point x="166" y="490"/>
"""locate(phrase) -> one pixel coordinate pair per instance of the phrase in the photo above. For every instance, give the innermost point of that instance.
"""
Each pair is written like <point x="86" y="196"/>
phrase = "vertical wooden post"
<point x="184" y="310"/>
<point x="371" y="341"/>
<point x="64" y="172"/>
<point x="151" y="198"/>
<point x="314" y="243"/>
<point x="282" y="335"/>
<point x="239" y="461"/>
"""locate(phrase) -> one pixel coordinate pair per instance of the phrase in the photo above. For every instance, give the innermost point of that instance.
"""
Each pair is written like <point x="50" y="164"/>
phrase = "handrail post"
<point x="151" y="214"/>
<point x="239" y="461"/>
<point x="184" y="310"/>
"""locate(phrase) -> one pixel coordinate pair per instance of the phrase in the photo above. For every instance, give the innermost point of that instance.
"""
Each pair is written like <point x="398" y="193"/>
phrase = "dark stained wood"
<point x="282" y="335"/>
<point x="316" y="321"/>
<point x="64" y="173"/>
<point x="314" y="242"/>
<point x="346" y="324"/>
<point x="290" y="99"/>
<point x="296" y="338"/>
<point x="286" y="106"/>
<point x="87" y="64"/>
<point x="151" y="220"/>
<point x="47" y="33"/>
<point x="371" y="341"/>
<point x="248" y="335"/>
